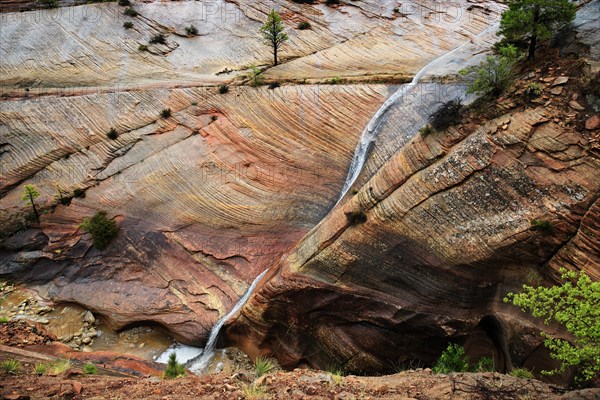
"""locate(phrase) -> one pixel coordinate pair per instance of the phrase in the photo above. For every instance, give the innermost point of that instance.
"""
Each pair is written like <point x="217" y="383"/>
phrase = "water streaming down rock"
<point x="370" y="132"/>
<point x="198" y="364"/>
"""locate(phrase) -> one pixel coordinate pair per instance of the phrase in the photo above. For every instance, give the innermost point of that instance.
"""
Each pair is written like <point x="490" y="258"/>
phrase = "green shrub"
<point x="142" y="47"/>
<point x="485" y="364"/>
<point x="128" y="25"/>
<point x="49" y="3"/>
<point x="254" y="78"/>
<point x="4" y="320"/>
<point x="90" y="369"/>
<point x="263" y="366"/>
<point x="223" y="88"/>
<point x="274" y="85"/>
<point x="174" y="369"/>
<point x="332" y="2"/>
<point x="542" y="225"/>
<point x="60" y="366"/>
<point x="165" y="113"/>
<point x="102" y="229"/>
<point x="79" y="193"/>
<point x="493" y="75"/>
<point x="130" y="12"/>
<point x="356" y="217"/>
<point x="521" y="373"/>
<point x="448" y="114"/>
<point x="159" y="38"/>
<point x="112" y="134"/>
<point x="124" y="3"/>
<point x="533" y="90"/>
<point x="304" y="25"/>
<point x="336" y="80"/>
<point x="40" y="369"/>
<point x="453" y="359"/>
<point x="191" y="30"/>
<point x="10" y="366"/>
<point x="575" y="304"/>
<point x="426" y="130"/>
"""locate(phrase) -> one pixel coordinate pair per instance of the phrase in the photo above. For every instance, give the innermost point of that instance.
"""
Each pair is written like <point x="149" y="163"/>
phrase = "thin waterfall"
<point x="198" y="364"/>
<point x="372" y="129"/>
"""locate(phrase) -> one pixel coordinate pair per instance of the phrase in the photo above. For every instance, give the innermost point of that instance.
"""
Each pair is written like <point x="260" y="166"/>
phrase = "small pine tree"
<point x="30" y="193"/>
<point x="273" y="32"/>
<point x="174" y="369"/>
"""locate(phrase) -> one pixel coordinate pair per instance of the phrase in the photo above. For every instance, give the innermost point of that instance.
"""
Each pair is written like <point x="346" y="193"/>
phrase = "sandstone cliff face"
<point x="205" y="199"/>
<point x="447" y="236"/>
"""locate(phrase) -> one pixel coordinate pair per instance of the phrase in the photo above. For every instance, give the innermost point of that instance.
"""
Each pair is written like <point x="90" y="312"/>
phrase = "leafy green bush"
<point x="165" y="113"/>
<point x="127" y="25"/>
<point x="263" y="366"/>
<point x="102" y="229"/>
<point x="142" y="47"/>
<point x="448" y="114"/>
<point x="521" y="373"/>
<point x="174" y="369"/>
<point x="3" y="320"/>
<point x="90" y="369"/>
<point x="576" y="305"/>
<point x="124" y="3"/>
<point x="159" y="38"/>
<point x="191" y="30"/>
<point x="304" y="25"/>
<point x="336" y="80"/>
<point x="493" y="75"/>
<point x="485" y="364"/>
<point x="130" y="12"/>
<point x="79" y="193"/>
<point x="453" y="359"/>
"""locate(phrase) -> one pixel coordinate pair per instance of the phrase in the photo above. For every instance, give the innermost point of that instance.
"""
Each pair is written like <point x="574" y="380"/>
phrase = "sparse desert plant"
<point x="4" y="320"/>
<point x="112" y="134"/>
<point x="60" y="366"/>
<point x="542" y="225"/>
<point x="128" y="25"/>
<point x="274" y="85"/>
<point x="336" y="80"/>
<point x="194" y="103"/>
<point x="191" y="30"/>
<point x="304" y="25"/>
<point x="253" y="392"/>
<point x="533" y="90"/>
<point x="40" y="369"/>
<point x="159" y="38"/>
<point x="356" y="217"/>
<point x="130" y="12"/>
<point x="448" y="114"/>
<point x="254" y="78"/>
<point x="10" y="366"/>
<point x="124" y="3"/>
<point x="165" y="113"/>
<point x="49" y="3"/>
<point x="223" y="88"/>
<point x="90" y="369"/>
<point x="174" y="369"/>
<point x="262" y="366"/>
<point x="332" y="2"/>
<point x="521" y="373"/>
<point x="485" y="364"/>
<point x="426" y="130"/>
<point x="102" y="229"/>
<point x="142" y="47"/>
<point x="453" y="359"/>
<point x="79" y="193"/>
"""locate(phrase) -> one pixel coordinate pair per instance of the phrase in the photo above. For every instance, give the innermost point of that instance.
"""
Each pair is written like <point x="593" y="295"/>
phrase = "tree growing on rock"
<point x="102" y="229"/>
<point x="576" y="305"/>
<point x="273" y="33"/>
<point x="493" y="75"/>
<point x="30" y="193"/>
<point x="535" y="20"/>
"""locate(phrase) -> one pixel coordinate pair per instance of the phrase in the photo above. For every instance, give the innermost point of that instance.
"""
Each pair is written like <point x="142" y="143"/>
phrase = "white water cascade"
<point x="372" y="129"/>
<point x="199" y="363"/>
